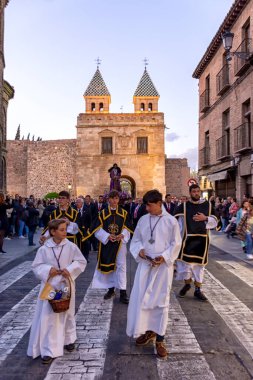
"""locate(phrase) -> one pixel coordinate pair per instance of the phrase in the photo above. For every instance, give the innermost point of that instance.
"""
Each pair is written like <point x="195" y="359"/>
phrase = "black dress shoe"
<point x="184" y="290"/>
<point x="70" y="347"/>
<point x="123" y="297"/>
<point x="109" y="294"/>
<point x="46" y="359"/>
<point x="198" y="294"/>
<point x="2" y="251"/>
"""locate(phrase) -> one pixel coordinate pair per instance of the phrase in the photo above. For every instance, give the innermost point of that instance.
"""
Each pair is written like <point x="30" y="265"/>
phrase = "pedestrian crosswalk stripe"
<point x="180" y="336"/>
<point x="239" y="270"/>
<point x="237" y="316"/>
<point x="15" y="323"/>
<point x="181" y="340"/>
<point x="93" y="326"/>
<point x="13" y="275"/>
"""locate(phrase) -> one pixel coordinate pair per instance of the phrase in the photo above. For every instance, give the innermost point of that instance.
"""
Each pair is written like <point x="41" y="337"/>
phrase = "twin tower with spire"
<point x="98" y="98"/>
<point x="135" y="141"/>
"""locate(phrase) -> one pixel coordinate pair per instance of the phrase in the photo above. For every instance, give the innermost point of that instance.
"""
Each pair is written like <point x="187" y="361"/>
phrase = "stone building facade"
<point x="6" y="93"/>
<point x="225" y="99"/>
<point x="135" y="141"/>
<point x="177" y="174"/>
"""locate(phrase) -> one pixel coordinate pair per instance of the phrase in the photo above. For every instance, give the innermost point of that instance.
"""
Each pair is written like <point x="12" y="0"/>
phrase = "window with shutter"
<point x="142" y="145"/>
<point x="106" y="145"/>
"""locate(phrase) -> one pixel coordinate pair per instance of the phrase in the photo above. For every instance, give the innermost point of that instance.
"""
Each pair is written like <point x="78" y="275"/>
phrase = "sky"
<point x="50" y="52"/>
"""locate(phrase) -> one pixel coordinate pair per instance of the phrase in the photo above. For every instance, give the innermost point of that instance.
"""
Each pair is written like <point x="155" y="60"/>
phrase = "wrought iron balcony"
<point x="222" y="147"/>
<point x="243" y="137"/>
<point x="222" y="80"/>
<point x="242" y="56"/>
<point x="204" y="156"/>
<point x="204" y="101"/>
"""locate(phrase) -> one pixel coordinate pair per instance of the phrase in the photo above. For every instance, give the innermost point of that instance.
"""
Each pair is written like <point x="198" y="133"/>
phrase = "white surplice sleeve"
<point x="171" y="253"/>
<point x="136" y="244"/>
<point x="40" y="268"/>
<point x="102" y="235"/>
<point x="211" y="223"/>
<point x="78" y="264"/>
<point x="126" y="234"/>
<point x="72" y="228"/>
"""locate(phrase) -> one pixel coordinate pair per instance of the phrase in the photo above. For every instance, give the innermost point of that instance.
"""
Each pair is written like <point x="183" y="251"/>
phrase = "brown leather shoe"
<point x="161" y="350"/>
<point x="146" y="338"/>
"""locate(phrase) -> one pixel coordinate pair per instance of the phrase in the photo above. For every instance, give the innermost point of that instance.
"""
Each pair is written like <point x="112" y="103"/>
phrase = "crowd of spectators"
<point x="20" y="216"/>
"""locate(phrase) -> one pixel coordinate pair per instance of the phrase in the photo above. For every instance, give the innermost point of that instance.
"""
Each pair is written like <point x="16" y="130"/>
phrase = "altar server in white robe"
<point x="155" y="247"/>
<point x="58" y="258"/>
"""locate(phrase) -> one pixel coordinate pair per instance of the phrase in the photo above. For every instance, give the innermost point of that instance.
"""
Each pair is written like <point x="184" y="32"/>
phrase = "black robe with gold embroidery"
<point x="71" y="214"/>
<point x="195" y="241"/>
<point x="113" y="222"/>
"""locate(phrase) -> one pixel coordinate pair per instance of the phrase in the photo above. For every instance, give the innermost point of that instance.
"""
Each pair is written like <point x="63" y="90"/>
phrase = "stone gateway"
<point x="135" y="141"/>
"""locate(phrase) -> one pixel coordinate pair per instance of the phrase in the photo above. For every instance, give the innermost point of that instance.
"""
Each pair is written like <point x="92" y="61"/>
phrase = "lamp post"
<point x="227" y="39"/>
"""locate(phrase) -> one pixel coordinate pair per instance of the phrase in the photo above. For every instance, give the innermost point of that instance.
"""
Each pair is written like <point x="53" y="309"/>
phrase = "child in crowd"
<point x="231" y="228"/>
<point x="58" y="259"/>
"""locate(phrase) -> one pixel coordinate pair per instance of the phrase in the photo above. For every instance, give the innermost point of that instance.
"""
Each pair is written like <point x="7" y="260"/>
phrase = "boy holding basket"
<point x="57" y="264"/>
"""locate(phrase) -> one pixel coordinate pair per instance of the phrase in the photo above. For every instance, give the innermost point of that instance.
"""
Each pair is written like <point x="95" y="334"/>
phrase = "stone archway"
<point x="128" y="185"/>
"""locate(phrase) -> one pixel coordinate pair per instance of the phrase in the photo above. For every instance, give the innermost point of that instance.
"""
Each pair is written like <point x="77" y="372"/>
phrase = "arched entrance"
<point x="128" y="185"/>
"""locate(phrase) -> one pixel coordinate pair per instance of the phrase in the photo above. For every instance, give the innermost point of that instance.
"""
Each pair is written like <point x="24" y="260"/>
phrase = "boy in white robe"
<point x="58" y="258"/>
<point x="155" y="247"/>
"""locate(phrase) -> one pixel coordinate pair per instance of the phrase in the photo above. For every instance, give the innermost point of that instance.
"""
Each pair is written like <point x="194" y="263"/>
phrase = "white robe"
<point x="150" y="296"/>
<point x="117" y="278"/>
<point x="50" y="331"/>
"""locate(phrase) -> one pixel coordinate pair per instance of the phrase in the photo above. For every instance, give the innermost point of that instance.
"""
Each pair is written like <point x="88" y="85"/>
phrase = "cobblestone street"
<point x="206" y="341"/>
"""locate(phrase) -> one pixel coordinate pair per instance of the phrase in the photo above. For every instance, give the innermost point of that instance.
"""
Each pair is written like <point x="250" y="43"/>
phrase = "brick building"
<point x="225" y="103"/>
<point x="135" y="141"/>
<point x="6" y="93"/>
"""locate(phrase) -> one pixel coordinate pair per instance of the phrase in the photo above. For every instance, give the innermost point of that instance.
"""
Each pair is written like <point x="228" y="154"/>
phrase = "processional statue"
<point x="115" y="174"/>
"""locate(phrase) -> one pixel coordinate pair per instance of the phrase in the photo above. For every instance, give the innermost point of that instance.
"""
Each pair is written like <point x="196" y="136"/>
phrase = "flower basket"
<point x="61" y="305"/>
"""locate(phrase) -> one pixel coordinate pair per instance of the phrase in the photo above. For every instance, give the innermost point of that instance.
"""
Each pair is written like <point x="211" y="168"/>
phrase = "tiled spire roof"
<point x="146" y="86"/>
<point x="97" y="86"/>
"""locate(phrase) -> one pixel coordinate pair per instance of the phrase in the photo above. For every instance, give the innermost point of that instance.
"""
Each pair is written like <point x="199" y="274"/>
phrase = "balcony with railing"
<point x="242" y="56"/>
<point x="222" y="147"/>
<point x="204" y="156"/>
<point x="222" y="80"/>
<point x="204" y="101"/>
<point x="242" y="137"/>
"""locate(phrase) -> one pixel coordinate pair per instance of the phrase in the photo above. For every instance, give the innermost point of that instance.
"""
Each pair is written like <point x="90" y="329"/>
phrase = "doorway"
<point x="128" y="185"/>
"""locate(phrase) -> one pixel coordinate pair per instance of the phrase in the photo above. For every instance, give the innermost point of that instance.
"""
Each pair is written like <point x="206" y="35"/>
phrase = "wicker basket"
<point x="59" y="306"/>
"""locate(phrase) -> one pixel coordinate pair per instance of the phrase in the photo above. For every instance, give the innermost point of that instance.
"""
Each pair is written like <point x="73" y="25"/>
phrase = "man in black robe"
<point x="195" y="218"/>
<point x="112" y="228"/>
<point x="65" y="211"/>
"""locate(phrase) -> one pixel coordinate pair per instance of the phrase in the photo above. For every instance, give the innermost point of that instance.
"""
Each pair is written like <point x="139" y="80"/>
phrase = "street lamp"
<point x="69" y="187"/>
<point x="227" y="39"/>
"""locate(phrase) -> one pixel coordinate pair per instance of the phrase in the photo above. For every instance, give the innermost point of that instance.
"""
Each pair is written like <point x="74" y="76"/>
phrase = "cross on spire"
<point x="145" y="60"/>
<point x="98" y="61"/>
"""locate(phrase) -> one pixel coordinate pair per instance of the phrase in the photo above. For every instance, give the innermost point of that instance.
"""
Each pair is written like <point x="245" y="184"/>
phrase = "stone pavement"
<point x="207" y="341"/>
<point x="231" y="245"/>
<point x="16" y="248"/>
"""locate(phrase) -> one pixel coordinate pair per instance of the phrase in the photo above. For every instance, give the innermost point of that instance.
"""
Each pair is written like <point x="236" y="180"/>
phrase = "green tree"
<point x="17" y="137"/>
<point x="52" y="195"/>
